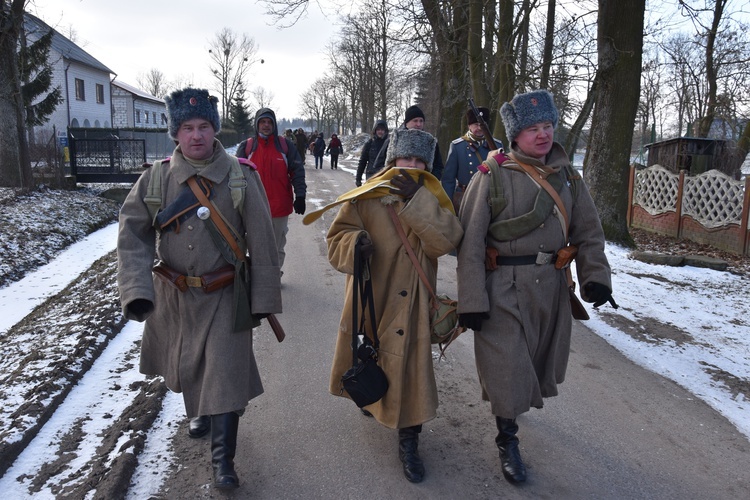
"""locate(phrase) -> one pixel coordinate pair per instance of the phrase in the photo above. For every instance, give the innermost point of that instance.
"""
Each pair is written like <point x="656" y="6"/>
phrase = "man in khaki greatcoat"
<point x="189" y="336"/>
<point x="518" y="303"/>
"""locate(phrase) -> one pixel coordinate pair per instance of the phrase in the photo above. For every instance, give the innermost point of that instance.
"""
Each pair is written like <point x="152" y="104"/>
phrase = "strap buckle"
<point x="543" y="258"/>
<point x="194" y="281"/>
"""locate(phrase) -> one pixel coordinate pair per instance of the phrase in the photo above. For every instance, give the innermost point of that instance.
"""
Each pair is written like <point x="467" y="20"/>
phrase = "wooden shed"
<point x="694" y="154"/>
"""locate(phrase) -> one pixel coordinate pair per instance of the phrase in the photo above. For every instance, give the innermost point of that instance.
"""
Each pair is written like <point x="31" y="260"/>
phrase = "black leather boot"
<point x="510" y="457"/>
<point x="408" y="442"/>
<point x="199" y="426"/>
<point x="223" y="446"/>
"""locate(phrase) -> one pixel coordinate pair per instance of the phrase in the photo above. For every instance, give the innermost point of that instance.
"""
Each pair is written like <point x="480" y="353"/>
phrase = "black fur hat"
<point x="406" y="143"/>
<point x="189" y="103"/>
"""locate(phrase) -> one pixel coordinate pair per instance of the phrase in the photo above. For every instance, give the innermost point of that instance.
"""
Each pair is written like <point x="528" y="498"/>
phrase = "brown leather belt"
<point x="209" y="282"/>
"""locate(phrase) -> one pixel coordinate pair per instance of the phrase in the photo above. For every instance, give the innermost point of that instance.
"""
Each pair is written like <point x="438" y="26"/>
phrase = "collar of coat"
<point x="379" y="186"/>
<point x="216" y="170"/>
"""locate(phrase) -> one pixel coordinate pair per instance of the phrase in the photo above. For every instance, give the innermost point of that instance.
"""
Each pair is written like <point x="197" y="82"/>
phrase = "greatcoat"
<point x="401" y="300"/>
<point x="522" y="350"/>
<point x="188" y="338"/>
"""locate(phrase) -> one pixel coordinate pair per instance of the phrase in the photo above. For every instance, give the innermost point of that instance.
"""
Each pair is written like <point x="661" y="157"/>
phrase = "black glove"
<point x="365" y="247"/>
<point x="599" y="294"/>
<point x="299" y="205"/>
<point x="472" y="321"/>
<point x="358" y="182"/>
<point x="404" y="185"/>
<point x="261" y="315"/>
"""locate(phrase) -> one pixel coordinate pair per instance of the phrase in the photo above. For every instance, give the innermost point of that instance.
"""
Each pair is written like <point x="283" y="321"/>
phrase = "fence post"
<point x="745" y="215"/>
<point x="631" y="188"/>
<point x="678" y="207"/>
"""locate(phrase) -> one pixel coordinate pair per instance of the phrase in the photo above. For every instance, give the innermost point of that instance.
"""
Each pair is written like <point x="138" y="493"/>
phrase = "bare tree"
<point x="262" y="97"/>
<point x="154" y="82"/>
<point x="231" y="56"/>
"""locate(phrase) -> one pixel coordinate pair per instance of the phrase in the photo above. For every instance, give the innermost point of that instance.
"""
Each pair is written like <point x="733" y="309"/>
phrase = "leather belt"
<point x="540" y="259"/>
<point x="194" y="281"/>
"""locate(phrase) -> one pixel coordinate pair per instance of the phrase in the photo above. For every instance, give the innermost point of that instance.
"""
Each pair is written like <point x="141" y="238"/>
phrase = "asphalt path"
<point x="615" y="431"/>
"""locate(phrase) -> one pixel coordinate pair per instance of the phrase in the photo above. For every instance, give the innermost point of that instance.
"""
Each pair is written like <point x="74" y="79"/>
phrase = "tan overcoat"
<point x="522" y="350"/>
<point x="188" y="339"/>
<point x="401" y="299"/>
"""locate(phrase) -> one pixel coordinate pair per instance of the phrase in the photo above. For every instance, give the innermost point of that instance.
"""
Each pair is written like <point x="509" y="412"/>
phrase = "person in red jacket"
<point x="281" y="170"/>
<point x="335" y="148"/>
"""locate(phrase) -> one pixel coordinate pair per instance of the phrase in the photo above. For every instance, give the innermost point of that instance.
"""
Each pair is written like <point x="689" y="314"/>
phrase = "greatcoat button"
<point x="541" y="246"/>
<point x="190" y="247"/>
<point x="400" y="332"/>
<point x="190" y="228"/>
<point x="402" y="293"/>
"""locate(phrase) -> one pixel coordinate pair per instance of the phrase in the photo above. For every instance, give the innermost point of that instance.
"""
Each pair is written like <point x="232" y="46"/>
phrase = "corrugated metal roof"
<point x="136" y="91"/>
<point x="61" y="44"/>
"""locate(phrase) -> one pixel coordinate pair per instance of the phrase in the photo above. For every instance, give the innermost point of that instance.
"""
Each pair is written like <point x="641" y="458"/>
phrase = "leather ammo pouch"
<point x="565" y="256"/>
<point x="216" y="280"/>
<point x="170" y="276"/>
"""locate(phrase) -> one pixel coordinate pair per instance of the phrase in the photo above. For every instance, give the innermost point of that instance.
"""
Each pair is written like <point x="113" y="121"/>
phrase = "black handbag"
<point x="365" y="381"/>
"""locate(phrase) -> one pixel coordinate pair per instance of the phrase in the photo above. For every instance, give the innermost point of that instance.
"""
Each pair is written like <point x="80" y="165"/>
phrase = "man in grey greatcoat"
<point x="190" y="336"/>
<point x="511" y="291"/>
<point x="466" y="154"/>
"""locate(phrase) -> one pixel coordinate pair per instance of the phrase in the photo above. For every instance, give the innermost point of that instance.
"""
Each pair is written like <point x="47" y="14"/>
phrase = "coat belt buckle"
<point x="543" y="258"/>
<point x="194" y="281"/>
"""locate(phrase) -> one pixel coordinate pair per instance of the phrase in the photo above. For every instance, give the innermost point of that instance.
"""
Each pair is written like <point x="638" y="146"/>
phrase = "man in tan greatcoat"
<point x="402" y="301"/>
<point x="189" y="337"/>
<point x="522" y="315"/>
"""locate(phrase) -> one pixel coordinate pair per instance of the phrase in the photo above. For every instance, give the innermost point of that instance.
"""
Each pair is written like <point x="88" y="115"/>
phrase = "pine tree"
<point x="239" y="115"/>
<point x="36" y="77"/>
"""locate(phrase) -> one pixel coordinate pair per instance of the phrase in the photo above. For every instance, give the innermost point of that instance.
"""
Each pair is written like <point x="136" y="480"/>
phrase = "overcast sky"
<point x="173" y="35"/>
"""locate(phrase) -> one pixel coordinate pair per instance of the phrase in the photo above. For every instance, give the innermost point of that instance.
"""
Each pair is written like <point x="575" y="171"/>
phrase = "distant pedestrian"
<point x="335" y="148"/>
<point x="370" y="150"/>
<point x="319" y="149"/>
<point x="301" y="141"/>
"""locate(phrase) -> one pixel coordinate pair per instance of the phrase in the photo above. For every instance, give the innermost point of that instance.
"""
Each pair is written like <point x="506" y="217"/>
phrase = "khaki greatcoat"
<point x="522" y="350"/>
<point x="401" y="299"/>
<point x="188" y="338"/>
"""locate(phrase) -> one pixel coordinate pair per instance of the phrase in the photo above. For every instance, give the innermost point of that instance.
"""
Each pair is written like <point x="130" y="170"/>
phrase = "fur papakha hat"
<point x="528" y="109"/>
<point x="189" y="103"/>
<point x="483" y="112"/>
<point x="406" y="143"/>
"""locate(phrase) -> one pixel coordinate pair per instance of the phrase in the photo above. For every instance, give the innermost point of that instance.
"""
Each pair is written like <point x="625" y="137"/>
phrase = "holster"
<point x="565" y="256"/>
<point x="216" y="280"/>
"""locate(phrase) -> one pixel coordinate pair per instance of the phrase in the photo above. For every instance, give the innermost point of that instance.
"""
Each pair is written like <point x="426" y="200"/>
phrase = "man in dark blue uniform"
<point x="465" y="155"/>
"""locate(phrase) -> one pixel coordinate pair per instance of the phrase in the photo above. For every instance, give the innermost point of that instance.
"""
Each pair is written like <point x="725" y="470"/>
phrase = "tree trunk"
<point x="15" y="166"/>
<point x="477" y="62"/>
<point x="571" y="141"/>
<point x="620" y="49"/>
<point x="506" y="73"/>
<point x="708" y="119"/>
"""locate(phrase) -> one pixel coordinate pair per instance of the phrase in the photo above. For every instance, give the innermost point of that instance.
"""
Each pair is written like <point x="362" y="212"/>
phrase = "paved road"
<point x="616" y="430"/>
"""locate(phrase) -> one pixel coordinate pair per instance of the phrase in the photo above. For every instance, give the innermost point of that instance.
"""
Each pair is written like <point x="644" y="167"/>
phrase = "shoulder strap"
<point x="153" y="192"/>
<point x="410" y="251"/>
<point x="249" y="145"/>
<point x="216" y="218"/>
<point x="497" y="195"/>
<point x="237" y="184"/>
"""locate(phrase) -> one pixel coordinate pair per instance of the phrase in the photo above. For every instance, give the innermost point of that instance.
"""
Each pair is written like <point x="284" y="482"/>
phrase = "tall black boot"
<point x="510" y="457"/>
<point x="408" y="442"/>
<point x="223" y="446"/>
<point x="199" y="426"/>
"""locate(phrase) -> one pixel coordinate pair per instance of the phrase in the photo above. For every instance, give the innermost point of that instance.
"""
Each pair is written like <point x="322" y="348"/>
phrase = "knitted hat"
<point x="411" y="113"/>
<point x="189" y="103"/>
<point x="528" y="109"/>
<point x="484" y="113"/>
<point x="405" y="143"/>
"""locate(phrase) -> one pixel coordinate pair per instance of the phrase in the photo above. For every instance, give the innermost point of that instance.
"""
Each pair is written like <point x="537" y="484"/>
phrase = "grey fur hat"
<point x="525" y="110"/>
<point x="405" y="143"/>
<point x="189" y="103"/>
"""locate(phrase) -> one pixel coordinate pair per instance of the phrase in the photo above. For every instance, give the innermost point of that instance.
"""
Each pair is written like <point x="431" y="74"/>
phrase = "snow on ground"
<point x="690" y="325"/>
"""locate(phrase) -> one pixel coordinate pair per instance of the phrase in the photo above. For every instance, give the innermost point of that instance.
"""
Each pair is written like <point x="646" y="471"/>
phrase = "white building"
<point x="134" y="108"/>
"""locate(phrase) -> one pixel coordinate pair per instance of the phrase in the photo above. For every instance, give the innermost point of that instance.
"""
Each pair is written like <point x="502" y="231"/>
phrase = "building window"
<point x="137" y="116"/>
<point x="146" y="113"/>
<point x="100" y="93"/>
<point x="154" y="114"/>
<point x="163" y="119"/>
<point x="80" y="92"/>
